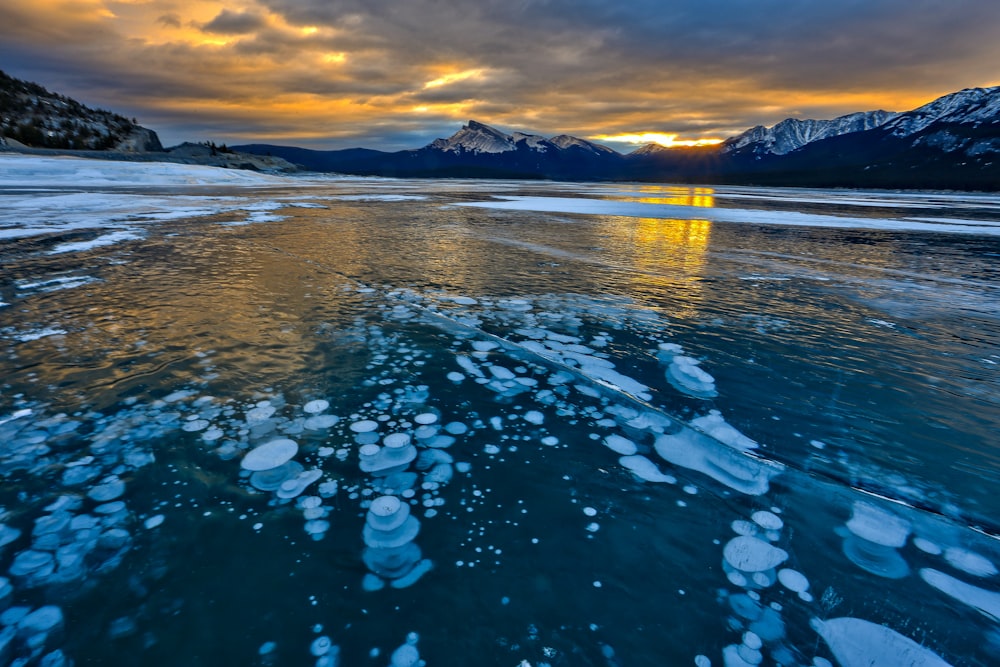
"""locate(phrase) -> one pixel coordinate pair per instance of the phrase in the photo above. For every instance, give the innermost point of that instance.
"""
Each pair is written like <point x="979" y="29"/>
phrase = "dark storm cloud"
<point x="234" y="23"/>
<point x="706" y="68"/>
<point x="172" y="20"/>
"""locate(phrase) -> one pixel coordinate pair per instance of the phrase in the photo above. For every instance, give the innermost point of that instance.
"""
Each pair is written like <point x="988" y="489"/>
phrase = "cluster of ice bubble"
<point x="751" y="562"/>
<point x="390" y="551"/>
<point x="548" y="329"/>
<point x="77" y="526"/>
<point x="684" y="373"/>
<point x="327" y="653"/>
<point x="30" y="634"/>
<point x="407" y="655"/>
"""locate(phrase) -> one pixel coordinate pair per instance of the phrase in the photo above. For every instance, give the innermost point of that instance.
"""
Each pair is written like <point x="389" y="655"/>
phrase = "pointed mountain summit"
<point x="648" y="150"/>
<point x="476" y="137"/>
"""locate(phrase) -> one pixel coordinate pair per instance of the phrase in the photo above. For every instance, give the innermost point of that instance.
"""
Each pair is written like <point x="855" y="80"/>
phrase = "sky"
<point x="394" y="75"/>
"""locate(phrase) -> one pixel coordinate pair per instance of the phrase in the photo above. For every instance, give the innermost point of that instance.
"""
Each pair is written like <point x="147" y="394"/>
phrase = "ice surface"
<point x="859" y="643"/>
<point x="608" y="207"/>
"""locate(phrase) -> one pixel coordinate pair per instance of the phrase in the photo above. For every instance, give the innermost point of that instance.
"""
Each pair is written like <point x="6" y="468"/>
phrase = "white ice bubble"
<point x="793" y="580"/>
<point x="645" y="469"/>
<point x="270" y="455"/>
<point x="590" y="511"/>
<point x="927" y="546"/>
<point x="621" y="445"/>
<point x="987" y="602"/>
<point x="426" y="418"/>
<point x="767" y="520"/>
<point x="364" y="426"/>
<point x="320" y="422"/>
<point x="153" y="521"/>
<point x="714" y="425"/>
<point x="534" y="417"/>
<point x="859" y="643"/>
<point x="686" y="376"/>
<point x="752" y="554"/>
<point x="877" y="525"/>
<point x="316" y="406"/>
<point x="969" y="562"/>
<point x="455" y="376"/>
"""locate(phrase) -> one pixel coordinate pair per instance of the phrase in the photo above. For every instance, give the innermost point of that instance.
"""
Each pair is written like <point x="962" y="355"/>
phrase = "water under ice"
<point x="371" y="427"/>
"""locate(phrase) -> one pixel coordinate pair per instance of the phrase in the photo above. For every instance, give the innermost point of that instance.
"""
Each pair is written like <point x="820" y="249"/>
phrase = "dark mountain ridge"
<point x="950" y="143"/>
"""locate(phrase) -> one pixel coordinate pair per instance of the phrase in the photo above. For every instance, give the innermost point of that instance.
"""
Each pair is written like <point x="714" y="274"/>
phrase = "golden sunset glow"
<point x="454" y="78"/>
<point x="665" y="140"/>
<point x="545" y="68"/>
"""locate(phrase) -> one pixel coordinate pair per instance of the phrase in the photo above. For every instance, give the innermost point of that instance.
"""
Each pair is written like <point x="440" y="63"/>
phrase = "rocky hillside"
<point x="37" y="118"/>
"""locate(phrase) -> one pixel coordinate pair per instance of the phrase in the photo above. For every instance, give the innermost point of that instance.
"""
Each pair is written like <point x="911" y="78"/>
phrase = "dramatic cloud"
<point x="395" y="74"/>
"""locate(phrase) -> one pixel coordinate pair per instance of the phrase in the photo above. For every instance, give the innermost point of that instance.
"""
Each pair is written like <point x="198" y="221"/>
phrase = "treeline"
<point x="38" y="118"/>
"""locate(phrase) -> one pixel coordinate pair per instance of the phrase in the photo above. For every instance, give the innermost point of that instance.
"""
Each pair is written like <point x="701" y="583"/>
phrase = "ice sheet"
<point x="735" y="215"/>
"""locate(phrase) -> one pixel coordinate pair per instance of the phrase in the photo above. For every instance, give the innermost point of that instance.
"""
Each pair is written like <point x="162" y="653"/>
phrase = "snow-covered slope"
<point x="792" y="133"/>
<point x="648" y="150"/>
<point x="565" y="141"/>
<point x="974" y="106"/>
<point x="476" y="137"/>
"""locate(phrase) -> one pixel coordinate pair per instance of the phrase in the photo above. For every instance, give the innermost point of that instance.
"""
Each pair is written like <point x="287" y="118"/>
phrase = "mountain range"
<point x="952" y="142"/>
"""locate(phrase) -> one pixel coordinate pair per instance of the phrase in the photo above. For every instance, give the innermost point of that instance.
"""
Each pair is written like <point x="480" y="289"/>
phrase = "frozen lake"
<point x="250" y="420"/>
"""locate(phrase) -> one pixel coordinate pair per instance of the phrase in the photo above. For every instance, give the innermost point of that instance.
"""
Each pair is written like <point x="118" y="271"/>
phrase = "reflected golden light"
<point x="677" y="196"/>
<point x="665" y="140"/>
<point x="334" y="58"/>
<point x="668" y="255"/>
<point x="309" y="30"/>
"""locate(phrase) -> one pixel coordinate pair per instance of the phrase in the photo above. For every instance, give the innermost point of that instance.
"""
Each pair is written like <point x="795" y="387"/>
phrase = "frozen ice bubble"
<point x="271" y="480"/>
<point x="425" y="418"/>
<point x="645" y="469"/>
<point x="316" y="406"/>
<point x="969" y="562"/>
<point x="41" y="621"/>
<point x="752" y="554"/>
<point x="270" y="455"/>
<point x="987" y="602"/>
<point x="320" y="646"/>
<point x="767" y="520"/>
<point x="855" y="642"/>
<point x="621" y="445"/>
<point x="109" y="489"/>
<point x="320" y="422"/>
<point x="364" y="426"/>
<point x="877" y="525"/>
<point x="793" y="580"/>
<point x="387" y="513"/>
<point x="396" y="440"/>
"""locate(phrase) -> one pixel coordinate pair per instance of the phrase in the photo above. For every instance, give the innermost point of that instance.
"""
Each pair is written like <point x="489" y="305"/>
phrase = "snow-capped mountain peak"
<point x="971" y="105"/>
<point x="792" y="133"/>
<point x="565" y="141"/>
<point x="476" y="137"/>
<point x="533" y="141"/>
